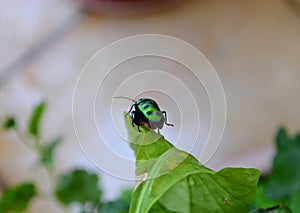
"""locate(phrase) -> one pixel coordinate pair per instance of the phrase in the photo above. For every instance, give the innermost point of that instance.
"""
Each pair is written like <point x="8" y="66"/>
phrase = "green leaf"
<point x="176" y="180"/>
<point x="260" y="200"/>
<point x="285" y="175"/>
<point x="34" y="121"/>
<point x="283" y="183"/>
<point x="47" y="151"/>
<point x="17" y="198"/>
<point x="78" y="186"/>
<point x="9" y="123"/>
<point x="282" y="139"/>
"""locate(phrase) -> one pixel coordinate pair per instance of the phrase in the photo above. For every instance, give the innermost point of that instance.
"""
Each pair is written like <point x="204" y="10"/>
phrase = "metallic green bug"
<point x="146" y="111"/>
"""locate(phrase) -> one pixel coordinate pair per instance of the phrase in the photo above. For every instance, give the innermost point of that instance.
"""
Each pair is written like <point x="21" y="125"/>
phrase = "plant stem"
<point x="24" y="140"/>
<point x="49" y="169"/>
<point x="36" y="147"/>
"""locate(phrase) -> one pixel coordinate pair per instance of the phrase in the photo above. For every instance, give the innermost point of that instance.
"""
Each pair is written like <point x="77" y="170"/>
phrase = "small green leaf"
<point x="260" y="200"/>
<point x="282" y="139"/>
<point x="17" y="198"/>
<point x="47" y="151"/>
<point x="285" y="175"/>
<point x="78" y="186"/>
<point x="176" y="181"/>
<point x="283" y="184"/>
<point x="34" y="121"/>
<point x="9" y="123"/>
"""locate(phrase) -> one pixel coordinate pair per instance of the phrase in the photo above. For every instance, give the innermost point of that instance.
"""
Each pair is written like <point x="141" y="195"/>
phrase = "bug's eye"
<point x="146" y="107"/>
<point x="149" y="112"/>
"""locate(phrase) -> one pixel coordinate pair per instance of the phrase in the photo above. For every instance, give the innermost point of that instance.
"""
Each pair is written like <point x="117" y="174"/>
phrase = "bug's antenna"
<point x="125" y="98"/>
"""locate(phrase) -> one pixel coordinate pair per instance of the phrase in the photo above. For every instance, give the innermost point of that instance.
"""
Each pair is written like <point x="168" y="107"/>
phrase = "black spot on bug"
<point x="149" y="112"/>
<point x="146" y="107"/>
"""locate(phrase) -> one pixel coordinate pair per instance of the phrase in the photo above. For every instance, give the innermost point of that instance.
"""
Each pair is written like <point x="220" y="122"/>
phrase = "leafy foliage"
<point x="283" y="184"/>
<point x="34" y="121"/>
<point x="17" y="198"/>
<point x="170" y="180"/>
<point x="175" y="181"/>
<point x="78" y="186"/>
<point x="260" y="200"/>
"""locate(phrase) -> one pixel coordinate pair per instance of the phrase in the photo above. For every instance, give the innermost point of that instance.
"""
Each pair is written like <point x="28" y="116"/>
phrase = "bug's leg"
<point x="139" y="128"/>
<point x="165" y="114"/>
<point x="158" y="132"/>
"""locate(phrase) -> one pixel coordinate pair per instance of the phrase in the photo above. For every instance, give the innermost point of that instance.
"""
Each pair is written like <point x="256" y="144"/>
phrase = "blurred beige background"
<point x="254" y="46"/>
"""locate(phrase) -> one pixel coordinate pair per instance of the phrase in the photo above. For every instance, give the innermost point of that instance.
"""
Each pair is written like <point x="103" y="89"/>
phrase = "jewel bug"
<point x="146" y="111"/>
